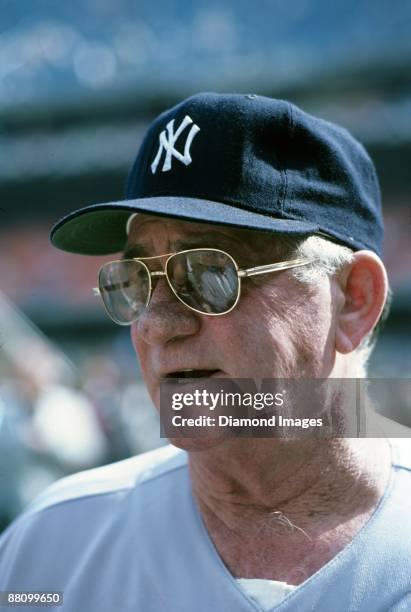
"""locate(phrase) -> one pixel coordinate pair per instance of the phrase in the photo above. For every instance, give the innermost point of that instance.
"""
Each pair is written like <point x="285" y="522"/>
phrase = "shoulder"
<point x="401" y="452"/>
<point x="99" y="485"/>
<point x="398" y="435"/>
<point x="113" y="478"/>
<point x="81" y="517"/>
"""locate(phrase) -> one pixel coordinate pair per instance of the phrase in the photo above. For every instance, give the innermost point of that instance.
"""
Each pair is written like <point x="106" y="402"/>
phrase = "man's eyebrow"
<point x="209" y="239"/>
<point x="134" y="250"/>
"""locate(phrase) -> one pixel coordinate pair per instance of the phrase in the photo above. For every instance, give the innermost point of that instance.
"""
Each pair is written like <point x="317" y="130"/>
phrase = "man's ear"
<point x="365" y="286"/>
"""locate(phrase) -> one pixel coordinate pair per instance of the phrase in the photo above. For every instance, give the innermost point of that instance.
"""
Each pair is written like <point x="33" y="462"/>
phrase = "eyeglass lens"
<point x="125" y="288"/>
<point x="203" y="279"/>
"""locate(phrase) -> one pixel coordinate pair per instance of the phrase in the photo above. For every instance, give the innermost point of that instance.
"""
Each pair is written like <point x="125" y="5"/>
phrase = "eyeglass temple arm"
<point x="283" y="265"/>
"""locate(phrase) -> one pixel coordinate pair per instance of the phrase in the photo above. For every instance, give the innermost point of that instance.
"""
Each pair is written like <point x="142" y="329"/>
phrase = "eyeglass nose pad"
<point x="158" y="281"/>
<point x="160" y="288"/>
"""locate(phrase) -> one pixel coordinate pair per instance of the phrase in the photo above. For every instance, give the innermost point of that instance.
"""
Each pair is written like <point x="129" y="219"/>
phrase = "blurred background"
<point x="79" y="82"/>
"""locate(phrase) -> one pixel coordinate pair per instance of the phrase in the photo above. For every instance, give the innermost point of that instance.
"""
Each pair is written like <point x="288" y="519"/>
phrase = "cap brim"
<point x="100" y="229"/>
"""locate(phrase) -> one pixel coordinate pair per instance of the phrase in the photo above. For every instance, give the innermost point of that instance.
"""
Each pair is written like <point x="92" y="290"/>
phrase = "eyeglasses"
<point x="207" y="281"/>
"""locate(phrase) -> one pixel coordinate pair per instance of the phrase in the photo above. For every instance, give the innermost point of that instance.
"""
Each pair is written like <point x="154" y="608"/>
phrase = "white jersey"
<point x="129" y="537"/>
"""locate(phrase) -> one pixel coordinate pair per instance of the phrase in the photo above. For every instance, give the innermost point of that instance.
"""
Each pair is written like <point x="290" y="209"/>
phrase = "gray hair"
<point x="330" y="258"/>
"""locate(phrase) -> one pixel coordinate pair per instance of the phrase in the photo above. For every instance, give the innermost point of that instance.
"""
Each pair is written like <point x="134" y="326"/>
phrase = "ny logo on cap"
<point x="168" y="140"/>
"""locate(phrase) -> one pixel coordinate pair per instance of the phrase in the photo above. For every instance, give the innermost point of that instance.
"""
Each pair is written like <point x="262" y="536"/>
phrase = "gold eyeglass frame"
<point x="256" y="270"/>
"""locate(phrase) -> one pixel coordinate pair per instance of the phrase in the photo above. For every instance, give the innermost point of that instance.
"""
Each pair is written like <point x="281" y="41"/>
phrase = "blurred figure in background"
<point x="57" y="418"/>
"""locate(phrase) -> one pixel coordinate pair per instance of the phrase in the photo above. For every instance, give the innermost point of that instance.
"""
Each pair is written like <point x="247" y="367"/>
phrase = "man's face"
<point x="280" y="328"/>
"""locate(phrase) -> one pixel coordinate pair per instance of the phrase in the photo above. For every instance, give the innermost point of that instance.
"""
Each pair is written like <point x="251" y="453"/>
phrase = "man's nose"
<point x="165" y="318"/>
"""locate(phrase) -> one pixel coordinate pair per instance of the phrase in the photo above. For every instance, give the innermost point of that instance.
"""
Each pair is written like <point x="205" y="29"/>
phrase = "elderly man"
<point x="251" y="237"/>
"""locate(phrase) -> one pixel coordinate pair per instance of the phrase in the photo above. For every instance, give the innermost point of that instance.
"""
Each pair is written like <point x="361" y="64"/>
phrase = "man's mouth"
<point x="191" y="373"/>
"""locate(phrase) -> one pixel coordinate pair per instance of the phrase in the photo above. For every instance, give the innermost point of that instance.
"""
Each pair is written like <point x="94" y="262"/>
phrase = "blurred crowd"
<point x="55" y="419"/>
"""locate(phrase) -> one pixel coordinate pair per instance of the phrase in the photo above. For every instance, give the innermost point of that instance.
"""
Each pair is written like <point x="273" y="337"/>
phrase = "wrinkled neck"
<point x="305" y="481"/>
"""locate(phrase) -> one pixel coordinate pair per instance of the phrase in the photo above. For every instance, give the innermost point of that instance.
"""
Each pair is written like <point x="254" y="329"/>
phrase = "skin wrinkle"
<point x="261" y="498"/>
<point x="326" y="496"/>
<point x="324" y="541"/>
<point x="274" y="308"/>
<point x="282" y="309"/>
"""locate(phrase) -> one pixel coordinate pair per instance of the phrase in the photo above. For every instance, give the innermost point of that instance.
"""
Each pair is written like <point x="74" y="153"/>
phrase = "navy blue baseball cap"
<point x="244" y="161"/>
